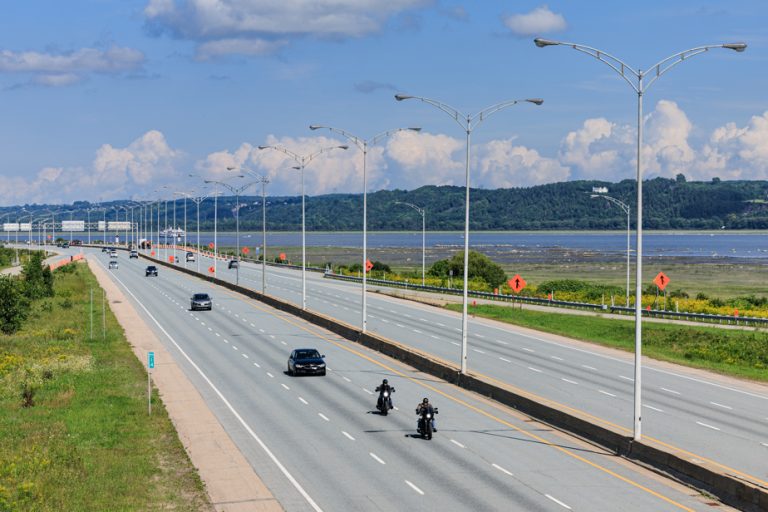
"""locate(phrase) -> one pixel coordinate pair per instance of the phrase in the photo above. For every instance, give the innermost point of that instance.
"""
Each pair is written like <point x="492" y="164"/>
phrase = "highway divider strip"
<point x="732" y="489"/>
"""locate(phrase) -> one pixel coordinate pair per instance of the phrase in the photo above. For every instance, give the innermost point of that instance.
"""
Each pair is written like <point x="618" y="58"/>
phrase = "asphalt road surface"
<point x="319" y="445"/>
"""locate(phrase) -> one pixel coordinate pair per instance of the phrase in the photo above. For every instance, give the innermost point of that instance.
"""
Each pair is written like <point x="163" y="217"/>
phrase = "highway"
<point x="318" y="445"/>
<point x="724" y="421"/>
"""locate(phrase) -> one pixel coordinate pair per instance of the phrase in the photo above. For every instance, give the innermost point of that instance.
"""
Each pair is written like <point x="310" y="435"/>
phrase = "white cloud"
<point x="67" y="68"/>
<point x="504" y="165"/>
<point x="227" y="26"/>
<point x="599" y="149"/>
<point x="539" y="21"/>
<point x="426" y="159"/>
<point x="737" y="153"/>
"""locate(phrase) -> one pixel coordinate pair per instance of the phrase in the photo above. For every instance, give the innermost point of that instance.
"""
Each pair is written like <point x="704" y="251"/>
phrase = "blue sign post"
<point x="151" y="365"/>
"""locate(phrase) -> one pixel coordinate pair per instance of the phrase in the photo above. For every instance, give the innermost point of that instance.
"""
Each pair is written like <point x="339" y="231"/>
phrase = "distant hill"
<point x="668" y="204"/>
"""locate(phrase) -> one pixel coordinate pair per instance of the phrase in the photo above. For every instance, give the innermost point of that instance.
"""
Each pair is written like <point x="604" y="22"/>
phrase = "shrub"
<point x="480" y="267"/>
<point x="14" y="306"/>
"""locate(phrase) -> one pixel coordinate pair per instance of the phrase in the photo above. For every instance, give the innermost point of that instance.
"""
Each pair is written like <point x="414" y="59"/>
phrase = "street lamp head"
<point x="541" y="43"/>
<point x="343" y="147"/>
<point x="739" y="47"/>
<point x="535" y="101"/>
<point x="316" y="126"/>
<point x="415" y="128"/>
<point x="401" y="97"/>
<point x="264" y="147"/>
<point x="231" y="168"/>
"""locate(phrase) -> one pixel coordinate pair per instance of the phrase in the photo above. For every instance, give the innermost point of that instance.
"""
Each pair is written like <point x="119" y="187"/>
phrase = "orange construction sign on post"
<point x="661" y="280"/>
<point x="210" y="245"/>
<point x="211" y="270"/>
<point x="282" y="256"/>
<point x="517" y="283"/>
<point x="245" y="250"/>
<point x="368" y="265"/>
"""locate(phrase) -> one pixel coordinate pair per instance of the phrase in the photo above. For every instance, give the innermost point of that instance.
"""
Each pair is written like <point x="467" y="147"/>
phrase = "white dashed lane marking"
<point x="457" y="443"/>
<point x="721" y="405"/>
<point x="414" y="487"/>
<point x="502" y="469"/>
<point x="323" y="416"/>
<point x="606" y="393"/>
<point x="348" y="436"/>
<point x="670" y="391"/>
<point x="569" y="381"/>
<point x="558" y="501"/>
<point x="707" y="426"/>
<point x="303" y="401"/>
<point x="376" y="458"/>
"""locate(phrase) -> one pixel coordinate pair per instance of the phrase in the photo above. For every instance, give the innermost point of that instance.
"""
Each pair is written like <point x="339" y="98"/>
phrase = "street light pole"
<point x="640" y="87"/>
<point x="236" y="191"/>
<point x="363" y="144"/>
<point x="625" y="208"/>
<point x="303" y="161"/>
<point x="423" y="214"/>
<point x="264" y="181"/>
<point x="467" y="122"/>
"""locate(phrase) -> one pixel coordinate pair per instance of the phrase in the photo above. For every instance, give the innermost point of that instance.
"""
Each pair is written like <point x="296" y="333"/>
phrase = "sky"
<point x="136" y="99"/>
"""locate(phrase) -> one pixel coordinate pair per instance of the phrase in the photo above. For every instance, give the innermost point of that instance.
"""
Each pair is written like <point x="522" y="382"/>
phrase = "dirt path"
<point x="230" y="481"/>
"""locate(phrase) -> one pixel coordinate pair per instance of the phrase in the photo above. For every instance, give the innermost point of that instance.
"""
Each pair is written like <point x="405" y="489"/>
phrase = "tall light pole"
<point x="362" y="145"/>
<point x="636" y="80"/>
<point x="236" y="191"/>
<point x="303" y="161"/>
<point x="423" y="214"/>
<point x="264" y="180"/>
<point x="468" y="122"/>
<point x="625" y="208"/>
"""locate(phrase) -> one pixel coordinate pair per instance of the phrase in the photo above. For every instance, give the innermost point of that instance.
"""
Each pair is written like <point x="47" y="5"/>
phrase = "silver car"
<point x="201" y="301"/>
<point x="113" y="265"/>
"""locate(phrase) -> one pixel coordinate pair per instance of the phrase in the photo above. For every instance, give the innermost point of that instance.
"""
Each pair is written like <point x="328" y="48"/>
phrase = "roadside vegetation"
<point x="8" y="256"/>
<point x="74" y="429"/>
<point x="739" y="353"/>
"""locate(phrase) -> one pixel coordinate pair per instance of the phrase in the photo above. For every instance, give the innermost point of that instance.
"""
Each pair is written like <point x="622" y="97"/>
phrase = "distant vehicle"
<point x="306" y="360"/>
<point x="76" y="242"/>
<point x="105" y="249"/>
<point x="150" y="271"/>
<point x="191" y="256"/>
<point x="113" y="265"/>
<point x="113" y="254"/>
<point x="65" y="245"/>
<point x="233" y="264"/>
<point x="133" y="254"/>
<point x="201" y="301"/>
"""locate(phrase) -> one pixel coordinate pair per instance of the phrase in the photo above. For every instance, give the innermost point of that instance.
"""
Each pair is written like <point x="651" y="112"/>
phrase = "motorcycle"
<point x="384" y="404"/>
<point x="425" y="423"/>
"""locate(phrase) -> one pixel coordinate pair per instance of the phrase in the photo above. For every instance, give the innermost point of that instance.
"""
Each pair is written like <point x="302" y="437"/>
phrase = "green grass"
<point x="739" y="353"/>
<point x="87" y="442"/>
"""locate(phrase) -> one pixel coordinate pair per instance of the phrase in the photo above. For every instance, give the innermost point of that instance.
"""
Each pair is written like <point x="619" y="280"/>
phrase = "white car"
<point x="190" y="257"/>
<point x="113" y="265"/>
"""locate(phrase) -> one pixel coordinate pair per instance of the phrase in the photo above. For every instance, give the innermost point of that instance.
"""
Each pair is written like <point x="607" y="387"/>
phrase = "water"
<point x="752" y="245"/>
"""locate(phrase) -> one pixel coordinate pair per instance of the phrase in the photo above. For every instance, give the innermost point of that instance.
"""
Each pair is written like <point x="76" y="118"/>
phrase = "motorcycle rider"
<point x="384" y="386"/>
<point x="431" y="410"/>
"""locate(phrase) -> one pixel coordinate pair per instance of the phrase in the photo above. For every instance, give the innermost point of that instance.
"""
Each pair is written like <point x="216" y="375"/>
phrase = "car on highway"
<point x="307" y="361"/>
<point x="233" y="264"/>
<point x="191" y="257"/>
<point x="201" y="301"/>
<point x="150" y="271"/>
<point x="65" y="245"/>
<point x="113" y="265"/>
<point x="105" y="249"/>
<point x="133" y="254"/>
<point x="113" y="254"/>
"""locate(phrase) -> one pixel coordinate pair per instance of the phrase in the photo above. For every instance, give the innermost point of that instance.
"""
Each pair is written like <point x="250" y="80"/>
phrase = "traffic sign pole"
<point x="151" y="365"/>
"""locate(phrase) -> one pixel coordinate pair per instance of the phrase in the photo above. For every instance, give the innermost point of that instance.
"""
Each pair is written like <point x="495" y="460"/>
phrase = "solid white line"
<point x="245" y="425"/>
<point x="569" y="380"/>
<point x="721" y="405"/>
<point x="534" y="369"/>
<point x="606" y="393"/>
<point x="414" y="488"/>
<point x="708" y="426"/>
<point x="457" y="443"/>
<point x="303" y="401"/>
<point x="558" y="501"/>
<point x="502" y="469"/>
<point x="588" y="367"/>
<point x="652" y="408"/>
<point x="505" y="360"/>
<point x="376" y="457"/>
<point x="670" y="391"/>
<point x="348" y="436"/>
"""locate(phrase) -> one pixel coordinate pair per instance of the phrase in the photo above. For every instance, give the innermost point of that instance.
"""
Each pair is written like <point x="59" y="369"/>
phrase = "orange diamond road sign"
<point x="211" y="270"/>
<point x="282" y="256"/>
<point x="517" y="283"/>
<point x="661" y="280"/>
<point x="368" y="265"/>
<point x="152" y="253"/>
<point x="210" y="245"/>
<point x="245" y="250"/>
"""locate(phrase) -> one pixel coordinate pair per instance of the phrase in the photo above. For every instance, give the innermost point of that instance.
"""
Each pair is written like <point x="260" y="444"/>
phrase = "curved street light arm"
<point x="668" y="63"/>
<point x="420" y="210"/>
<point x="357" y="141"/>
<point x="620" y="204"/>
<point x="303" y="160"/>
<point x="452" y="112"/>
<point x="488" y="111"/>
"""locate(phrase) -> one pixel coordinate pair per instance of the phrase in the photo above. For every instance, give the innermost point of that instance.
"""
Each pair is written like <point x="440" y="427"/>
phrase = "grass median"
<point x="739" y="353"/>
<point x="74" y="429"/>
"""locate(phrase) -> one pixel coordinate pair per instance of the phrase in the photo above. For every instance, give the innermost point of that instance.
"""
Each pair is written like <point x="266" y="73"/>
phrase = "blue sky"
<point x="113" y="99"/>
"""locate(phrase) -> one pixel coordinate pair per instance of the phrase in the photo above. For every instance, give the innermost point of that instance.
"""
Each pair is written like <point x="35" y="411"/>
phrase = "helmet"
<point x="425" y="401"/>
<point x="385" y="381"/>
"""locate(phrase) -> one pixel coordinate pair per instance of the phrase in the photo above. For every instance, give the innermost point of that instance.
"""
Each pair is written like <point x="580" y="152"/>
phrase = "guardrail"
<point x="650" y="313"/>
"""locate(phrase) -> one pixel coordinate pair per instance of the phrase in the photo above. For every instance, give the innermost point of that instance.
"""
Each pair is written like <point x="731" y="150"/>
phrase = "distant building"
<point x="599" y="190"/>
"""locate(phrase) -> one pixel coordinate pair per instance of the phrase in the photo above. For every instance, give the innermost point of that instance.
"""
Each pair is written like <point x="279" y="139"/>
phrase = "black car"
<point x="233" y="264"/>
<point x="151" y="271"/>
<point x="306" y="360"/>
<point x="104" y="249"/>
<point x="201" y="301"/>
